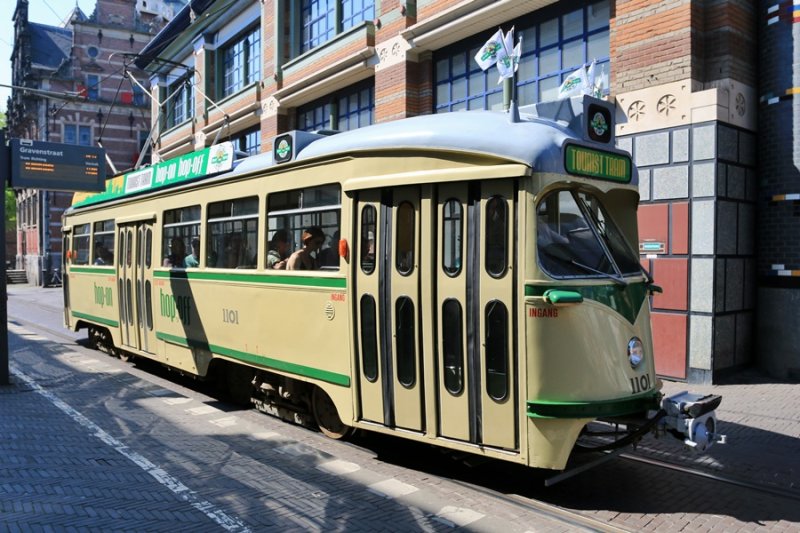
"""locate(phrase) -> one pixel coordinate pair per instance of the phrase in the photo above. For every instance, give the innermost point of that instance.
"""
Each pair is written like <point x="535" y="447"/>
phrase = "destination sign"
<point x="57" y="166"/>
<point x="583" y="161"/>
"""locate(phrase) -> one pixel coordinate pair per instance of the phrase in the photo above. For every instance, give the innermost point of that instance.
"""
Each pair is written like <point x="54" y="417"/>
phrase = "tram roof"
<point x="532" y="141"/>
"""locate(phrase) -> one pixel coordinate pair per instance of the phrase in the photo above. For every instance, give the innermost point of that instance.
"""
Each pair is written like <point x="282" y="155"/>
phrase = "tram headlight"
<point x="635" y="352"/>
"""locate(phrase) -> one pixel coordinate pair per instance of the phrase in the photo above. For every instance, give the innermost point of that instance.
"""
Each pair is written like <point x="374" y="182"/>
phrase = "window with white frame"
<point x="180" y="105"/>
<point x="241" y="61"/>
<point x="321" y="20"/>
<point x="93" y="87"/>
<point x="77" y="134"/>
<point x="555" y="42"/>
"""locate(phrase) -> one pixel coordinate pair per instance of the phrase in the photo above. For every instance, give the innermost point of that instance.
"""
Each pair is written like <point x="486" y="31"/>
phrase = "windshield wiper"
<point x="612" y="277"/>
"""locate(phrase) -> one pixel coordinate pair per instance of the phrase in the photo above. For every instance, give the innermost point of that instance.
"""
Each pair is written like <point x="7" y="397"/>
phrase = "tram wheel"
<point x="326" y="416"/>
<point x="127" y="357"/>
<point x="240" y="384"/>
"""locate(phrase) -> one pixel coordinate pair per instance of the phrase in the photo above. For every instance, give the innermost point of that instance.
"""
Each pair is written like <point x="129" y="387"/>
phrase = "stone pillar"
<point x="779" y="191"/>
<point x="696" y="157"/>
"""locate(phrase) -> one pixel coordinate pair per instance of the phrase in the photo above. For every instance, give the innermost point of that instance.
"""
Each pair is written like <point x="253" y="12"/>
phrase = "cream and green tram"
<point x="478" y="286"/>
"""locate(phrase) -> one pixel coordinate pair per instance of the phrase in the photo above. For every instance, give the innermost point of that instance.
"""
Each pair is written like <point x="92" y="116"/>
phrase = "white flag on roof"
<point x="488" y="54"/>
<point x="508" y="62"/>
<point x="575" y="84"/>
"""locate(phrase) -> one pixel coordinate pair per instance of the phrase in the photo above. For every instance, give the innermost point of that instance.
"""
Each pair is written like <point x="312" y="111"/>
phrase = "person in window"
<point x="101" y="255"/>
<point x="233" y="250"/>
<point x="277" y="257"/>
<point x="302" y="259"/>
<point x="177" y="253"/>
<point x="193" y="260"/>
<point x="329" y="257"/>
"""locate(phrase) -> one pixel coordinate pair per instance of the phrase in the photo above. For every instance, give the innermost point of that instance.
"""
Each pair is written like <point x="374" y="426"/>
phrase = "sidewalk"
<point x="60" y="470"/>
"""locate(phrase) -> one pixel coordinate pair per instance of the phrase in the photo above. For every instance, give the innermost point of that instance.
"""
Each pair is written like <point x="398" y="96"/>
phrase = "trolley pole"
<point x="5" y="172"/>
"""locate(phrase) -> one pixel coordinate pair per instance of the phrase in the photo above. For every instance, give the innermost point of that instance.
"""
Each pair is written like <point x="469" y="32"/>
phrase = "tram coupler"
<point x="692" y="418"/>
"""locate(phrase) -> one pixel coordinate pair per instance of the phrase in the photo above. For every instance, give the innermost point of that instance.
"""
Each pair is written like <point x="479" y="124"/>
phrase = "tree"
<point x="11" y="201"/>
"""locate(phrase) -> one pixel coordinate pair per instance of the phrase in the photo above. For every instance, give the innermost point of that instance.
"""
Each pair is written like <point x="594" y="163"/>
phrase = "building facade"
<point x="717" y="157"/>
<point x="81" y="96"/>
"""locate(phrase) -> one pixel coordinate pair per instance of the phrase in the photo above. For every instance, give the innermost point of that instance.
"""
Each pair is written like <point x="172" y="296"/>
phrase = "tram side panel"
<point x="90" y="289"/>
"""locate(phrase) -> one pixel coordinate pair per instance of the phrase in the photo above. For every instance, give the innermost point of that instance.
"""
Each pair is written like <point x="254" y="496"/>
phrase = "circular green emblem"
<point x="599" y="124"/>
<point x="283" y="148"/>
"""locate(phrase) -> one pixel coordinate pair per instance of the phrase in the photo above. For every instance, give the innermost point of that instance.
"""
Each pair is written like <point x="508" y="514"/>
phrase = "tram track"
<point x="521" y="499"/>
<point x="728" y="480"/>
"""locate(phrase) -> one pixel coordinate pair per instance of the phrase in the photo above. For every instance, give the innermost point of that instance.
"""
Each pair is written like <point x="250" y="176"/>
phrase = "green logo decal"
<point x="599" y="124"/>
<point x="283" y="149"/>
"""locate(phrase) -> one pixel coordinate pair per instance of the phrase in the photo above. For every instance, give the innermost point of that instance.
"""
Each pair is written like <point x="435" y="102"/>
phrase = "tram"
<point x="470" y="280"/>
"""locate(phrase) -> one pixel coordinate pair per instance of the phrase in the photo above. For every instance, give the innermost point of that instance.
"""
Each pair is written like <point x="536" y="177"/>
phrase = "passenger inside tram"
<point x="302" y="259"/>
<point x="193" y="259"/>
<point x="177" y="252"/>
<point x="278" y="253"/>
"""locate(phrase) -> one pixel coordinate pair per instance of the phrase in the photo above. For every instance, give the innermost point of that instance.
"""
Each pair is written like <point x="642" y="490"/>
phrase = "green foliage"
<point x="11" y="209"/>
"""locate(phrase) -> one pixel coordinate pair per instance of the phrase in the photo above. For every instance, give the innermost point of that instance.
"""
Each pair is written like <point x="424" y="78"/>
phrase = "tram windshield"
<point x="577" y="239"/>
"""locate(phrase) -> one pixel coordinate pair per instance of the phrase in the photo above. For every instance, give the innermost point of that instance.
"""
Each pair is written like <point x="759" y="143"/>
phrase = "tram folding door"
<point x="475" y="309"/>
<point x="388" y="308"/>
<point x="135" y="279"/>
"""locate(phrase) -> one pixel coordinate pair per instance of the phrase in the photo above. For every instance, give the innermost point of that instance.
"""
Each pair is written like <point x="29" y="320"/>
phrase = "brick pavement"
<point x="90" y="443"/>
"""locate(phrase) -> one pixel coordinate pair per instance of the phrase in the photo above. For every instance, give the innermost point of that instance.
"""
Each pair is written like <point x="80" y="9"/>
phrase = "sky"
<point x="50" y="12"/>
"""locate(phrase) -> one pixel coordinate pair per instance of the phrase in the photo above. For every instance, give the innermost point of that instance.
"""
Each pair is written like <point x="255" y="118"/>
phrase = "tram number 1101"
<point x="640" y="384"/>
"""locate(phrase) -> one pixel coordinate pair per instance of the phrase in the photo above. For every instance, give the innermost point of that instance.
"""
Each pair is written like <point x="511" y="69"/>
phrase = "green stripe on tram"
<point x="305" y="281"/>
<point x="624" y="299"/>
<point x="106" y="321"/>
<point x="292" y="368"/>
<point x="92" y="270"/>
<point x="596" y="409"/>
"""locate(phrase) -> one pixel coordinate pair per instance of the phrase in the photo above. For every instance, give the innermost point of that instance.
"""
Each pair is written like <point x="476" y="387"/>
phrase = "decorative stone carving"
<point x="666" y="104"/>
<point x="391" y="52"/>
<point x="741" y="104"/>
<point x="636" y="111"/>
<point x="269" y="107"/>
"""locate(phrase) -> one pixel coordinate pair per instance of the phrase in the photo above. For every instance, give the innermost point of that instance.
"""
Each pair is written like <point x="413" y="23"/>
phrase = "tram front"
<point x="587" y="326"/>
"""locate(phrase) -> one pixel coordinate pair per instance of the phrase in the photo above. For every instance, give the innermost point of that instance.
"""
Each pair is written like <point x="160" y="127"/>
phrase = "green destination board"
<point x="583" y="161"/>
<point x="211" y="160"/>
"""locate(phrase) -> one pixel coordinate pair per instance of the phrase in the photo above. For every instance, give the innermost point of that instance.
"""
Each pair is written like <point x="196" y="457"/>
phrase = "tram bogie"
<point x="486" y="298"/>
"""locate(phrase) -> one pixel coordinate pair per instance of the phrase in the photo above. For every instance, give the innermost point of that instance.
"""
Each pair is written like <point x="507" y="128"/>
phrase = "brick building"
<point x="690" y="103"/>
<point x="83" y="58"/>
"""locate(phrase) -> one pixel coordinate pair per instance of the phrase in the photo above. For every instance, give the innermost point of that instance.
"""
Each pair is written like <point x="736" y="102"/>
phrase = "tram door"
<point x="388" y="308"/>
<point x="135" y="285"/>
<point x="476" y="355"/>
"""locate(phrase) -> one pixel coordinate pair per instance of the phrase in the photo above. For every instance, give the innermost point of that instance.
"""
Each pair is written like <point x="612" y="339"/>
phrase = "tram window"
<point x="128" y="247"/>
<point x="369" y="226"/>
<point x="233" y="234"/>
<point x="103" y="251"/>
<point x="452" y="228"/>
<point x="453" y="352"/>
<point x="369" y="338"/>
<point x="129" y="300"/>
<point x="404" y="247"/>
<point x="181" y="237"/>
<point x="148" y="248"/>
<point x="80" y="242"/>
<point x="121" y="240"/>
<point x="404" y="335"/>
<point x="296" y="211"/>
<point x="496" y="237"/>
<point x="496" y="350"/>
<point x="148" y="289"/>
<point x="575" y="236"/>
